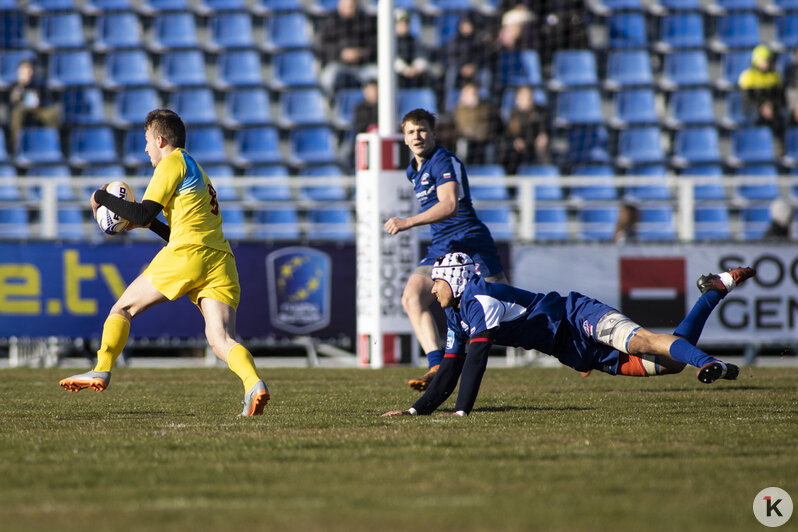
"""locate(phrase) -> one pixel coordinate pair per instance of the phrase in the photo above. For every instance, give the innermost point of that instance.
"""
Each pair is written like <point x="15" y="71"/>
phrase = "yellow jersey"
<point x="189" y="202"/>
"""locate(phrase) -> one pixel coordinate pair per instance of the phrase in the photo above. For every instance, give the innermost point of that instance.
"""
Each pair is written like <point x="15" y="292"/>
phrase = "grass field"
<point x="545" y="449"/>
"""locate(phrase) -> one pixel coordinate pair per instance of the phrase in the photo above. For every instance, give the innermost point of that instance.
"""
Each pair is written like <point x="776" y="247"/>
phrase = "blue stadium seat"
<point x="754" y="221"/>
<point x="216" y="171"/>
<point x="13" y="27"/>
<point x="70" y="69"/>
<point x="344" y="107"/>
<point x="685" y="69"/>
<point x="612" y="6"/>
<point x="213" y="7"/>
<point x="500" y="222"/>
<point x="653" y="188"/>
<point x="692" y="146"/>
<point x="409" y="99"/>
<point x="230" y="30"/>
<point x="680" y="31"/>
<point x="752" y="145"/>
<point x="270" y="192"/>
<point x="551" y="223"/>
<point x="711" y="222"/>
<point x="99" y="7"/>
<point x="115" y="31"/>
<point x="9" y="192"/>
<point x="103" y="173"/>
<point x="234" y="222"/>
<point x="63" y="192"/>
<point x="59" y="31"/>
<point x="634" y="107"/>
<point x="736" y="30"/>
<point x="786" y="31"/>
<point x="83" y="106"/>
<point x="9" y="61"/>
<point x="637" y="146"/>
<point x="285" y="31"/>
<point x="597" y="223"/>
<point x="14" y="222"/>
<point x="711" y="189"/>
<point x="257" y="145"/>
<point x="295" y="68"/>
<point x="133" y="154"/>
<point x="786" y="5"/>
<point x="732" y="64"/>
<point x="194" y="105"/>
<point x="206" y="144"/>
<point x="173" y="31"/>
<point x="182" y="69"/>
<point x="733" y="114"/>
<point x="3" y="151"/>
<point x="302" y="107"/>
<point x="445" y="28"/>
<point x="70" y="223"/>
<point x="276" y="223"/>
<point x="573" y="68"/>
<point x="92" y="145"/>
<point x="628" y="68"/>
<point x="132" y="105"/>
<point x="128" y="68"/>
<point x="237" y="69"/>
<point x="627" y="30"/>
<point x="155" y="7"/>
<point x="331" y="223"/>
<point x="681" y="5"/>
<point x="790" y="159"/>
<point x="656" y="223"/>
<point x="496" y="191"/>
<point x="518" y="68"/>
<point x="269" y="7"/>
<point x="578" y="107"/>
<point x="543" y="192"/>
<point x="38" y="145"/>
<point x="247" y="107"/>
<point x="587" y="144"/>
<point x="602" y="190"/>
<point x="328" y="192"/>
<point x="690" y="107"/>
<point x="765" y="185"/>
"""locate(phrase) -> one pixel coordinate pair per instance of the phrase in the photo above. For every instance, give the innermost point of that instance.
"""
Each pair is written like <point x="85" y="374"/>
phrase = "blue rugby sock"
<point x="434" y="358"/>
<point x="683" y="351"/>
<point x="691" y="326"/>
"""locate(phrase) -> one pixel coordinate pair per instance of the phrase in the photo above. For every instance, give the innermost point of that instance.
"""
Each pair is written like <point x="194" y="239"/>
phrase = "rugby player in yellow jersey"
<point x="197" y="260"/>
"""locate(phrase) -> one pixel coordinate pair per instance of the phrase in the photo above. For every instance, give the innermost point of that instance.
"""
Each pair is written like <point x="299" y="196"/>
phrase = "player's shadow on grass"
<point x="511" y="408"/>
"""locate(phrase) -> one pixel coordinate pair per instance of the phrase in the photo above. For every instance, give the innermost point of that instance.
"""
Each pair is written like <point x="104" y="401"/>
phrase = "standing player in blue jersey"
<point x="583" y="333"/>
<point x="441" y="186"/>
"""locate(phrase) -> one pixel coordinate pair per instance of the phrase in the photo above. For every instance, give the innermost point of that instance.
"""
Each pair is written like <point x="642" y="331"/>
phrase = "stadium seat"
<point x="100" y="7"/>
<point x="331" y="223"/>
<point x="692" y="146"/>
<point x="733" y="114"/>
<point x="602" y="190"/>
<point x="63" y="192"/>
<point x="247" y="107"/>
<point x="216" y="172"/>
<point x="572" y="69"/>
<point x="213" y="7"/>
<point x="154" y="7"/>
<point x="762" y="183"/>
<point x="329" y="192"/>
<point x="59" y="31"/>
<point x="634" y="107"/>
<point x="279" y="191"/>
<point x="653" y="188"/>
<point x="518" y="68"/>
<point x="612" y="6"/>
<point x="237" y="69"/>
<point x="500" y="222"/>
<point x="711" y="222"/>
<point x="302" y="107"/>
<point x="628" y="68"/>
<point x="70" y="69"/>
<point x="70" y="223"/>
<point x="295" y="68"/>
<point x="182" y="69"/>
<point x="685" y="69"/>
<point x="9" y="61"/>
<point x="790" y="159"/>
<point x="627" y="30"/>
<point x="492" y="192"/>
<point x="551" y="223"/>
<point x="230" y="30"/>
<point x="132" y="105"/>
<point x="545" y="192"/>
<point x="270" y="7"/>
<point x="690" y="107"/>
<point x="754" y="221"/>
<point x="14" y="222"/>
<point x="637" y="146"/>
<point x="587" y="144"/>
<point x="656" y="223"/>
<point x="276" y="223"/>
<point x="115" y="31"/>
<point x="234" y="223"/>
<point x="9" y="192"/>
<point x="173" y="31"/>
<point x="732" y="64"/>
<point x="409" y="99"/>
<point x="194" y="105"/>
<point x="736" y="30"/>
<point x="711" y="186"/>
<point x="257" y="145"/>
<point x="128" y="68"/>
<point x="133" y="154"/>
<point x="83" y="106"/>
<point x="92" y="145"/>
<point x="3" y="152"/>
<point x="102" y="173"/>
<point x="38" y="145"/>
<point x="314" y="145"/>
<point x="13" y="26"/>
<point x="752" y="145"/>
<point x="445" y="26"/>
<point x="286" y="31"/>
<point x="597" y="223"/>
<point x="344" y="106"/>
<point x="680" y="31"/>
<point x="578" y="107"/>
<point x="786" y="31"/>
<point x="206" y="144"/>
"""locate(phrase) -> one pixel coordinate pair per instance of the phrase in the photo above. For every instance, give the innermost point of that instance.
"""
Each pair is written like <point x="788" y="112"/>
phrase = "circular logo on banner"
<point x="772" y="507"/>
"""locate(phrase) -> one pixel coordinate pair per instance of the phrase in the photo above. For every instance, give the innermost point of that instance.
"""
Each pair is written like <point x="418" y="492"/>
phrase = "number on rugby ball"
<point x="110" y="222"/>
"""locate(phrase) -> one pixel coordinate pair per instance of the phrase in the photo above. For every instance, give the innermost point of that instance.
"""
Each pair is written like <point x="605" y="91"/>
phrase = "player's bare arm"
<point x="443" y="210"/>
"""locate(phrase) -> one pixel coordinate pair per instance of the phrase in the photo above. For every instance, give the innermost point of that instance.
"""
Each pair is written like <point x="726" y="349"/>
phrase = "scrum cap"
<point x="456" y="269"/>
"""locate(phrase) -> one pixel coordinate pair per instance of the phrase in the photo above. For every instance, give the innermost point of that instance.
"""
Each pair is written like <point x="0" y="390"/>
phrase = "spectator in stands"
<point x="30" y="103"/>
<point x="365" y="113"/>
<point x="626" y="226"/>
<point x="526" y="139"/>
<point x="561" y="26"/>
<point x="347" y="46"/>
<point x="791" y="90"/>
<point x="517" y="32"/>
<point x="762" y="88"/>
<point x="413" y="69"/>
<point x="478" y="125"/>
<point x="781" y="218"/>
<point x="465" y="56"/>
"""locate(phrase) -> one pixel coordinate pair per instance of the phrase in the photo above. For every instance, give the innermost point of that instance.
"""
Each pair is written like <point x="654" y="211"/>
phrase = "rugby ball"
<point x="110" y="222"/>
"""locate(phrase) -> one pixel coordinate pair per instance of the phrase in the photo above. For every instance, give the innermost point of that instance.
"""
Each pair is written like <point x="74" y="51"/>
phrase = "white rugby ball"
<point x="110" y="222"/>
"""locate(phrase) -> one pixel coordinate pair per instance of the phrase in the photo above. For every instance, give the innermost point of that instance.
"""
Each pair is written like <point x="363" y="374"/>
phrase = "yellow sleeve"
<point x="745" y="80"/>
<point x="165" y="179"/>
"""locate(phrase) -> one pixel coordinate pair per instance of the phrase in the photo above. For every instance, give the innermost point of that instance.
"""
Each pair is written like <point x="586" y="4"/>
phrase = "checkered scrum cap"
<point x="456" y="269"/>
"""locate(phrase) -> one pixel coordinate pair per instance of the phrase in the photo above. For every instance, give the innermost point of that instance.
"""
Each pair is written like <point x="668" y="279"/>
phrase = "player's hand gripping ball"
<point x="110" y="222"/>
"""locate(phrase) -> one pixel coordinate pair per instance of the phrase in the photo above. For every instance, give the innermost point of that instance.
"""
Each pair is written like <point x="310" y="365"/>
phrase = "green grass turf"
<point x="545" y="449"/>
